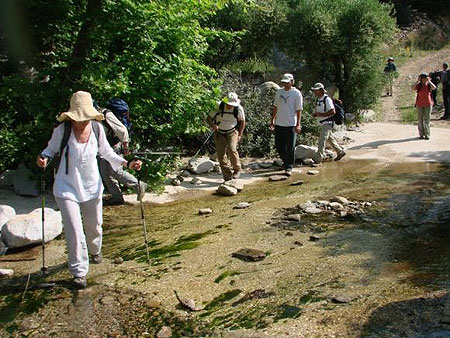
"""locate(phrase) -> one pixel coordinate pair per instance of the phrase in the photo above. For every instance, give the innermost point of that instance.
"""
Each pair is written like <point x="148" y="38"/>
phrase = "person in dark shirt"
<point x="390" y="71"/>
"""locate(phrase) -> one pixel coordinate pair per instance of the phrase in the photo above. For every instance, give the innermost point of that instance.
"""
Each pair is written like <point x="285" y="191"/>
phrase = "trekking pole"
<point x="143" y="218"/>
<point x="180" y="176"/>
<point x="44" y="268"/>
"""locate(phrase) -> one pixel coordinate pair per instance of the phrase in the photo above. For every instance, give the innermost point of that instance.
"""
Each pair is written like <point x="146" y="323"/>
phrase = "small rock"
<point x="296" y="183"/>
<point x="312" y="210"/>
<point x="313" y="172"/>
<point x="153" y="303"/>
<point x="205" y="211"/>
<point x="118" y="260"/>
<point x="164" y="332"/>
<point x="290" y="234"/>
<point x="313" y="238"/>
<point x="336" y="206"/>
<point x="107" y="300"/>
<point x="226" y="190"/>
<point x="236" y="184"/>
<point x="275" y="178"/>
<point x="324" y="203"/>
<point x="249" y="255"/>
<point x="176" y="182"/>
<point x="294" y="217"/>
<point x="278" y="163"/>
<point x="298" y="243"/>
<point x="341" y="299"/>
<point x="342" y="213"/>
<point x="196" y="181"/>
<point x="6" y="272"/>
<point x="188" y="303"/>
<point x="367" y="204"/>
<point x="308" y="161"/>
<point x="339" y="199"/>
<point x="201" y="165"/>
<point x="242" y="205"/>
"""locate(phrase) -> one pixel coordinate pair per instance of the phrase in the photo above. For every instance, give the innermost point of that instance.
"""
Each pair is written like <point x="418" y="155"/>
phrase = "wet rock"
<point x="290" y="234"/>
<point x="6" y="272"/>
<point x="6" y="213"/>
<point x="242" y="205"/>
<point x="249" y="255"/>
<point x="164" y="332"/>
<point x="118" y="260"/>
<point x="226" y="190"/>
<point x="313" y="238"/>
<point x="339" y="199"/>
<point x="26" y="229"/>
<point x="297" y="183"/>
<point x="205" y="211"/>
<point x="313" y="172"/>
<point x="308" y="161"/>
<point x="23" y="183"/>
<point x="336" y="206"/>
<point x="196" y="181"/>
<point x="276" y="178"/>
<point x="176" y="182"/>
<point x="6" y="179"/>
<point x="236" y="184"/>
<point x="341" y="299"/>
<point x="294" y="217"/>
<point x="265" y="165"/>
<point x="201" y="165"/>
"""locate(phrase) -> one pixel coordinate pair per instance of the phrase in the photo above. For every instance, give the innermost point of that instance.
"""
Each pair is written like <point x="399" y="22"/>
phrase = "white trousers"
<point x="81" y="243"/>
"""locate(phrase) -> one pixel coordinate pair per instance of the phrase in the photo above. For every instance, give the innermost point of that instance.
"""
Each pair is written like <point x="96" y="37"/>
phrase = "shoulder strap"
<point x="325" y="103"/>
<point x="64" y="144"/>
<point x="236" y="112"/>
<point x="95" y="127"/>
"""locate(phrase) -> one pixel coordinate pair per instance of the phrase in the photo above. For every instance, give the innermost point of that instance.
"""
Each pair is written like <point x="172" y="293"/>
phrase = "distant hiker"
<point x="445" y="80"/>
<point x="286" y="121"/>
<point x="423" y="86"/>
<point x="228" y="124"/>
<point x="435" y="78"/>
<point x="390" y="72"/>
<point x="118" y="137"/>
<point x="78" y="187"/>
<point x="324" y="112"/>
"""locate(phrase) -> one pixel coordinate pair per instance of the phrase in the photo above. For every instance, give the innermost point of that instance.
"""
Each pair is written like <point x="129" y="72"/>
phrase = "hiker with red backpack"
<point x="78" y="187"/>
<point x="228" y="124"/>
<point x="327" y="114"/>
<point x="117" y="124"/>
<point x="424" y="104"/>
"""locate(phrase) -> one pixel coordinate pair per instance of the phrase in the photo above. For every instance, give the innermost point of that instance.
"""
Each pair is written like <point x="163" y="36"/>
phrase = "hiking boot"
<point x="79" y="282"/>
<point x="97" y="259"/>
<point x="236" y="175"/>
<point x="141" y="191"/>
<point x="341" y="155"/>
<point x="113" y="201"/>
<point x="288" y="172"/>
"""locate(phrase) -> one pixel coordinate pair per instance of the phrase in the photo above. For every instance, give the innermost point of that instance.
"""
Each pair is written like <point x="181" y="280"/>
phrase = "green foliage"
<point x="340" y="40"/>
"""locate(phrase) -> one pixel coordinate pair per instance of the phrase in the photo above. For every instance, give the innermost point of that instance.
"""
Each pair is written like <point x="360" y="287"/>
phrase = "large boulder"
<point x="26" y="229"/>
<point x="6" y="213"/>
<point x="201" y="165"/>
<point x="23" y="181"/>
<point x="268" y="87"/>
<point x="6" y="179"/>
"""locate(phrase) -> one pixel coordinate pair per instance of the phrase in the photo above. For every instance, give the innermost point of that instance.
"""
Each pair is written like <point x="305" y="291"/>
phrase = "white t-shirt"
<point x="320" y="107"/>
<point x="83" y="182"/>
<point x="227" y="121"/>
<point x="287" y="103"/>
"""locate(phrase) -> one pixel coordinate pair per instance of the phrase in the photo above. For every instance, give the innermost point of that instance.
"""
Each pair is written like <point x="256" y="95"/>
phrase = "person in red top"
<point x="424" y="104"/>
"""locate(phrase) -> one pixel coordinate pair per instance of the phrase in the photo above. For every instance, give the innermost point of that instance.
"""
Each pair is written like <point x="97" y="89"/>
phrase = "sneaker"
<point x="421" y="137"/>
<point x="79" y="282"/>
<point x="97" y="259"/>
<point x="341" y="155"/>
<point x="236" y="175"/>
<point x="141" y="191"/>
<point x="426" y="137"/>
<point x="113" y="201"/>
<point x="288" y="172"/>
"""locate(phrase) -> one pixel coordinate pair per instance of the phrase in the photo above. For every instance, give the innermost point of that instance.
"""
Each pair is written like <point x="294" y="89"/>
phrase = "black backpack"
<point x="339" y="113"/>
<point x="222" y="111"/>
<point x="65" y="140"/>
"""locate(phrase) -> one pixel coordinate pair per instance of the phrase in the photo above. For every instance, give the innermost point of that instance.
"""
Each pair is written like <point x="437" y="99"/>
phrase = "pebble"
<point x="118" y="260"/>
<point x="341" y="299"/>
<point x="313" y="172"/>
<point x="296" y="183"/>
<point x="164" y="332"/>
<point x="294" y="217"/>
<point x="313" y="238"/>
<point x="205" y="211"/>
<point x="6" y="272"/>
<point x="242" y="205"/>
<point x="289" y="233"/>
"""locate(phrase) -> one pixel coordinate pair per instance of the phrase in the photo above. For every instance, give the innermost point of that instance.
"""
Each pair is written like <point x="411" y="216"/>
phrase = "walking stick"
<point x="44" y="268"/>
<point x="143" y="218"/>
<point x="180" y="176"/>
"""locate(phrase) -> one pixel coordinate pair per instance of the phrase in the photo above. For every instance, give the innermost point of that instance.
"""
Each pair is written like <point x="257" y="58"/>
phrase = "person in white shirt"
<point x="78" y="187"/>
<point x="228" y="124"/>
<point x="324" y="112"/>
<point x="286" y="121"/>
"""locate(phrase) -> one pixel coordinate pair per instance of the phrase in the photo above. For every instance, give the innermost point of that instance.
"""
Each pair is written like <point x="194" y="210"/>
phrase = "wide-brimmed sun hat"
<point x="318" y="86"/>
<point x="81" y="109"/>
<point x="232" y="99"/>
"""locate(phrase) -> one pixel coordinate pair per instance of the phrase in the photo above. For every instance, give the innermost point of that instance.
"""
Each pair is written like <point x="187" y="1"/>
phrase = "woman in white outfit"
<point x="78" y="186"/>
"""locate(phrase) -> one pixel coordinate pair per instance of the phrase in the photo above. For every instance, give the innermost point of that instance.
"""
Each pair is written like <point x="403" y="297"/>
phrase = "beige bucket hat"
<point x="81" y="109"/>
<point x="232" y="99"/>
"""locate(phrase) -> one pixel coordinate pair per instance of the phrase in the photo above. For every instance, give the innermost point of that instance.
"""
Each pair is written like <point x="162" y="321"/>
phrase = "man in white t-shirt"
<point x="228" y="123"/>
<point x="324" y="113"/>
<point x="285" y="121"/>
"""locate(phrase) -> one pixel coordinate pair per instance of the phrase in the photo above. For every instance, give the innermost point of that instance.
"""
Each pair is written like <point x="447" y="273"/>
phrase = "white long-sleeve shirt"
<point x="83" y="182"/>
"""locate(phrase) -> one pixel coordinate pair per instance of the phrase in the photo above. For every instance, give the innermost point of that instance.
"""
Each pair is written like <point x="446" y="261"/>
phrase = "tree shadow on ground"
<point x="442" y="156"/>
<point x="376" y="144"/>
